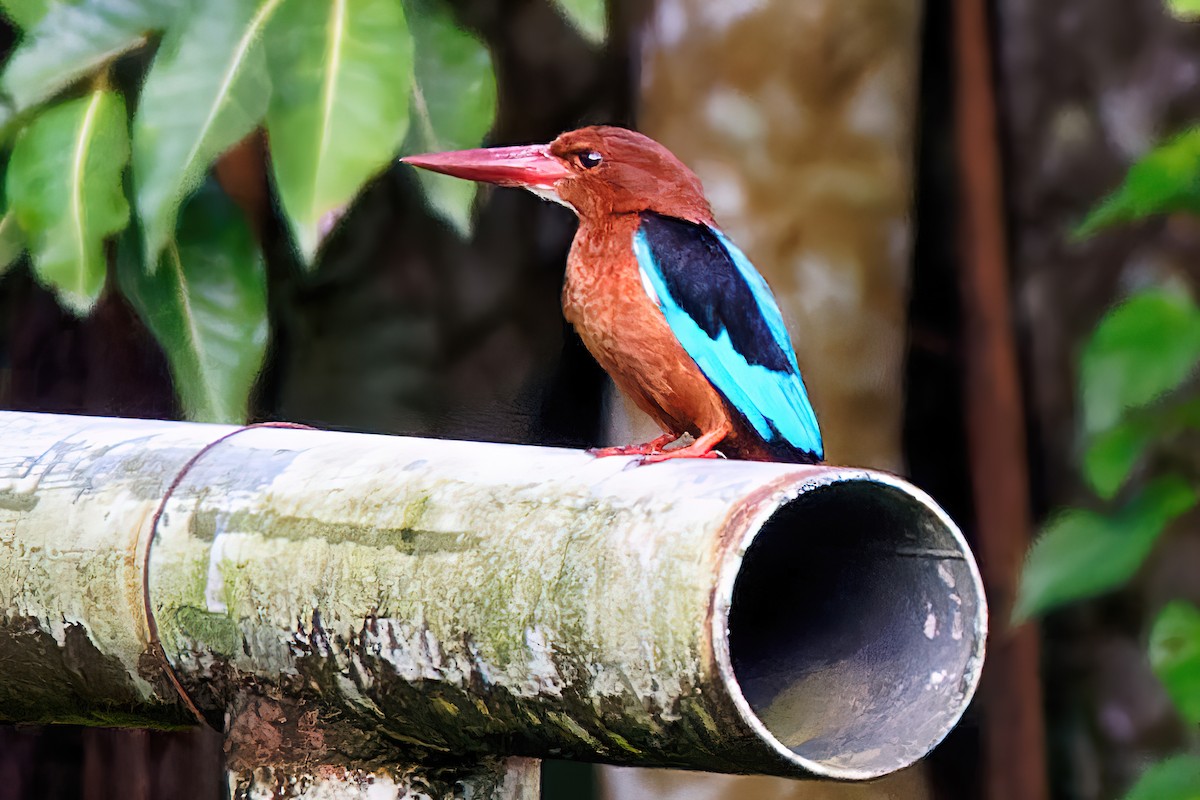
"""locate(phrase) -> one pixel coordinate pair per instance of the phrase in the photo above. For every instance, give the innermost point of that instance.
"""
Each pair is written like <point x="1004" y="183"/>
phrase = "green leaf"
<point x="1177" y="778"/>
<point x="206" y="305"/>
<point x="73" y="40"/>
<point x="24" y="13"/>
<point x="590" y="17"/>
<point x="1175" y="655"/>
<point x="12" y="242"/>
<point x="1165" y="180"/>
<point x="207" y="89"/>
<point x="1113" y="453"/>
<point x="339" y="110"/>
<point x="1184" y="9"/>
<point x="454" y="100"/>
<point x="64" y="186"/>
<point x="1082" y="554"/>
<point x="1143" y="348"/>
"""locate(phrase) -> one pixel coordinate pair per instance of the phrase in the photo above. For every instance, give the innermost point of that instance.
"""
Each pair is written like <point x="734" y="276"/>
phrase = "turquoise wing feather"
<point x="726" y="318"/>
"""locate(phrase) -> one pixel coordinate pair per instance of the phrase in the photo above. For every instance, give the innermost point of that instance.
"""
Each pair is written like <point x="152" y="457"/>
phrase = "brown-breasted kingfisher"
<point x="670" y="307"/>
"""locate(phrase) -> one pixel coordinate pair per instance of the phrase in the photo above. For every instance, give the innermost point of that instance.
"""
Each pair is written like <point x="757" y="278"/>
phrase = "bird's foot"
<point x="703" y="447"/>
<point x="691" y="451"/>
<point x="649" y="448"/>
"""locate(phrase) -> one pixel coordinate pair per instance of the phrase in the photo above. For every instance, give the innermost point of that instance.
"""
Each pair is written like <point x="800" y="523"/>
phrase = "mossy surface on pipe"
<point x="455" y="598"/>
<point x="488" y="597"/>
<point x="346" y="601"/>
<point x="76" y="497"/>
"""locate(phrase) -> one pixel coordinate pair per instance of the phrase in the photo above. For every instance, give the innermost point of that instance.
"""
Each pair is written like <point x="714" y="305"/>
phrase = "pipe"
<point x="338" y="599"/>
<point x="487" y="779"/>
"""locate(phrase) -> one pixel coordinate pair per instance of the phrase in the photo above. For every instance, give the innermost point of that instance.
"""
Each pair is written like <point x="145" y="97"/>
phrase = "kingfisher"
<point x="670" y="307"/>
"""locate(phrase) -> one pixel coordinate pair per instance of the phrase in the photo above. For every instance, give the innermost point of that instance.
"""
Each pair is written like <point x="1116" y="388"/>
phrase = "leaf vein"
<point x="231" y="72"/>
<point x="334" y="51"/>
<point x="207" y="390"/>
<point x="79" y="160"/>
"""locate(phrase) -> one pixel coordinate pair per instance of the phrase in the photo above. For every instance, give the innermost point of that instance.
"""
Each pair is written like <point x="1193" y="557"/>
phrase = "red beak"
<point x="526" y="166"/>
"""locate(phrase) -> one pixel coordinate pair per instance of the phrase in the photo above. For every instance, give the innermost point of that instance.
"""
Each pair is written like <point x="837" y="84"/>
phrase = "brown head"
<point x="597" y="171"/>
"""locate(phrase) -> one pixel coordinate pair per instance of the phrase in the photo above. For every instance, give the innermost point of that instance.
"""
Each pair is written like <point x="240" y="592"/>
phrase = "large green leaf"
<point x="1082" y="554"/>
<point x="454" y="100"/>
<point x="1175" y="654"/>
<point x="588" y="16"/>
<point x="340" y="72"/>
<point x="207" y="89"/>
<point x="24" y="13"/>
<point x="64" y="185"/>
<point x="206" y="304"/>
<point x="74" y="39"/>
<point x="1165" y="180"/>
<point x="1142" y="349"/>
<point x="1177" y="778"/>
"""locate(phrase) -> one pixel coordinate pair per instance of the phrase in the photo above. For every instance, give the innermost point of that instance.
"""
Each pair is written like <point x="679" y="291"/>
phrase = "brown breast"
<point x="604" y="299"/>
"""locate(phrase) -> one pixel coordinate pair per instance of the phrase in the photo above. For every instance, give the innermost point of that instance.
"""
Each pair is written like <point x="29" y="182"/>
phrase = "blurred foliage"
<point x="166" y="87"/>
<point x="1165" y="180"/>
<point x="1131" y="375"/>
<point x="1139" y="403"/>
<point x="1176" y="778"/>
<point x="1142" y="350"/>
<point x="588" y="16"/>
<point x="1175" y="654"/>
<point x="1082" y="553"/>
<point x="1137" y="400"/>
<point x="1184" y="9"/>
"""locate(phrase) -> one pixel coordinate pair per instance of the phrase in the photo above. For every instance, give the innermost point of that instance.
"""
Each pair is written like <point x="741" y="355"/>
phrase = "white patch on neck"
<point x="547" y="193"/>
<point x="648" y="286"/>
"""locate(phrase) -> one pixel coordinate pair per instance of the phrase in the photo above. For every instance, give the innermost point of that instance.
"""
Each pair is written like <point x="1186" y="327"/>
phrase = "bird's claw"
<point x="670" y="455"/>
<point x="623" y="450"/>
<point x="649" y="448"/>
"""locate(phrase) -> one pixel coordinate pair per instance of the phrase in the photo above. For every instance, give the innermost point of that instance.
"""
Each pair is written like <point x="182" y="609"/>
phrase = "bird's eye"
<point x="589" y="159"/>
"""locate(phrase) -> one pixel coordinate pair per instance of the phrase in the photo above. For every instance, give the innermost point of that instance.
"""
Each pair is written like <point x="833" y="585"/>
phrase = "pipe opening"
<point x="855" y="628"/>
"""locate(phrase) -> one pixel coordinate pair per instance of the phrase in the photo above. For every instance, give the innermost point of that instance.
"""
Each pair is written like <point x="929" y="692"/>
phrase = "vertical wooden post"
<point x="1013" y="732"/>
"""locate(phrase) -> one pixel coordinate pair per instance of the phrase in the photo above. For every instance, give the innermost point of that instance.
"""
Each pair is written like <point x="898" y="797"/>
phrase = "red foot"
<point x="647" y="449"/>
<point x="691" y="451"/>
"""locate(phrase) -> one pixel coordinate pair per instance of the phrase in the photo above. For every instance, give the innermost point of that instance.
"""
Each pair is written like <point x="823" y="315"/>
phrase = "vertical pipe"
<point x="1014" y="739"/>
<point x="492" y="779"/>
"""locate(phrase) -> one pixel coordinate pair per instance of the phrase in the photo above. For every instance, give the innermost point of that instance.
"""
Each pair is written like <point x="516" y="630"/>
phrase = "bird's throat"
<point x="548" y="193"/>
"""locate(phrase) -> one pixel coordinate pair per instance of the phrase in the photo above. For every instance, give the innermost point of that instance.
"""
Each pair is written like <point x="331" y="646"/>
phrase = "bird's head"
<point x="596" y="171"/>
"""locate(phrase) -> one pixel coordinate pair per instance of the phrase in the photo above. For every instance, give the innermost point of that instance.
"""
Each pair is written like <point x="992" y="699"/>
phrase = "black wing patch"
<point x="705" y="282"/>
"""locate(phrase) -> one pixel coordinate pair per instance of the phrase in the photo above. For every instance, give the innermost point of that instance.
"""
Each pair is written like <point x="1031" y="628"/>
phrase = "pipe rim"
<point x="730" y="567"/>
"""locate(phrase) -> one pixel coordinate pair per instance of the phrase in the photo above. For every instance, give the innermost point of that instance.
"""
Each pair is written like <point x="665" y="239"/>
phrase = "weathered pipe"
<point x="338" y="598"/>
